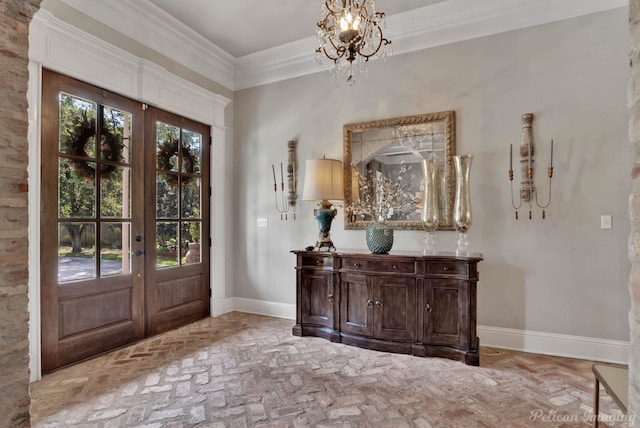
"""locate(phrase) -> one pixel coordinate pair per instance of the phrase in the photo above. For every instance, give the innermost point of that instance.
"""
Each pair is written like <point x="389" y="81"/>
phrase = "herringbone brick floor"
<point x="243" y="370"/>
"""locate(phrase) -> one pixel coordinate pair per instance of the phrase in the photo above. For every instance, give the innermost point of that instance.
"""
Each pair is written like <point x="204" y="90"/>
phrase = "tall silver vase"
<point x="430" y="213"/>
<point x="462" y="206"/>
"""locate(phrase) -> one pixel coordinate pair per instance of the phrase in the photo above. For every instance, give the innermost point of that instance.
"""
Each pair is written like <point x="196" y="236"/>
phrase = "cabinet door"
<point x="446" y="313"/>
<point x="316" y="300"/>
<point x="356" y="305"/>
<point x="394" y="308"/>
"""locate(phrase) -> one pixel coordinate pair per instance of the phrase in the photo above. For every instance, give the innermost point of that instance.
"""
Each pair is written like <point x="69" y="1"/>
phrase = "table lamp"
<point x="323" y="182"/>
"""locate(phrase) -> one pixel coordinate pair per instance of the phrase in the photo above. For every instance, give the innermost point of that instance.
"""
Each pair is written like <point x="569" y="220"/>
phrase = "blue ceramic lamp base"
<point x="325" y="215"/>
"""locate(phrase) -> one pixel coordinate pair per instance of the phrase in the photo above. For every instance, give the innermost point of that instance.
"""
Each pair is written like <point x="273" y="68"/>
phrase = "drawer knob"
<point x="394" y="267"/>
<point x="356" y="265"/>
<point x="318" y="262"/>
<point x="428" y="308"/>
<point x="369" y="303"/>
<point x="330" y="297"/>
<point x="445" y="267"/>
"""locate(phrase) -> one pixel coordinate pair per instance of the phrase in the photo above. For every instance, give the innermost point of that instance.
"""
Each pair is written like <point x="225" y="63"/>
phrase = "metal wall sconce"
<point x="528" y="191"/>
<point x="286" y="203"/>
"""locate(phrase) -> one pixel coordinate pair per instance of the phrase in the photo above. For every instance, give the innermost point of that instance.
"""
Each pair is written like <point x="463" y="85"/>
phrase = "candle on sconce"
<point x="551" y="153"/>
<point x="510" y="157"/>
<point x="273" y="168"/>
<point x="281" y="174"/>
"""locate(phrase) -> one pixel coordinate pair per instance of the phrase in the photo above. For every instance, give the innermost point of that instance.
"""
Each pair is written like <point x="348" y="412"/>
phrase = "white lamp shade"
<point x="323" y="180"/>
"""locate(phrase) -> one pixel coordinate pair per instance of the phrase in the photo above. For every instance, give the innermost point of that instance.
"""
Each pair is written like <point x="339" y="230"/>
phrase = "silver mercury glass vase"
<point x="430" y="217"/>
<point x="462" y="206"/>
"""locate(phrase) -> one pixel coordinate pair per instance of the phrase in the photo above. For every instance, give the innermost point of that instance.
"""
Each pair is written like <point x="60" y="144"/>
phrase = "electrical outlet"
<point x="605" y="222"/>
<point x="263" y="222"/>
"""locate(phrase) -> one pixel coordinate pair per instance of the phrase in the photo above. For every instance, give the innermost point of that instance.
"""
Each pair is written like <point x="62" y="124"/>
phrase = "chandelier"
<point x="350" y="32"/>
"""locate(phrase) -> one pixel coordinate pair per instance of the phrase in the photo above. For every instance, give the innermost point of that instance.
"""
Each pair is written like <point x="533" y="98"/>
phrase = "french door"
<point x="121" y="221"/>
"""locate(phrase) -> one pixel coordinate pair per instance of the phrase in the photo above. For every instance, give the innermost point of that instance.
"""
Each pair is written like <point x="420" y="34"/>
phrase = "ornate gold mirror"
<point x="384" y="147"/>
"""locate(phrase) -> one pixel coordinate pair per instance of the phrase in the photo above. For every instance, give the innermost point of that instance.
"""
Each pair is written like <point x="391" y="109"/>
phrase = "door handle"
<point x="378" y="303"/>
<point x="428" y="308"/>
<point x="138" y="238"/>
<point x="139" y="253"/>
<point x="369" y="303"/>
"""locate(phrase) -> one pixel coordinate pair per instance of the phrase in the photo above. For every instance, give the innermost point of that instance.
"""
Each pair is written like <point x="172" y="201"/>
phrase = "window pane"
<point x="76" y="251"/>
<point x="77" y="126"/>
<point x="167" y="138"/>
<point x="115" y="246"/>
<point x="115" y="194"/>
<point x="76" y="192"/>
<point x="166" y="195"/>
<point x="191" y="151"/>
<point x="166" y="244"/>
<point x="190" y="197"/>
<point x="116" y="132"/>
<point x="190" y="244"/>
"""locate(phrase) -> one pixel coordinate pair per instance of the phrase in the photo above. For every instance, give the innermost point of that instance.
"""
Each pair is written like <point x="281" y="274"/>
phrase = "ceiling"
<point x="243" y="27"/>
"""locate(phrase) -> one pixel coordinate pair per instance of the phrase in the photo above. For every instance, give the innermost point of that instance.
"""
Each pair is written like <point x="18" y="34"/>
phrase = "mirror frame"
<point x="449" y="118"/>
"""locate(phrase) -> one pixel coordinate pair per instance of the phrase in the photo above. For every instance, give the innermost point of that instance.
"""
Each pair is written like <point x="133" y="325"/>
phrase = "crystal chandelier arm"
<point x="330" y="4"/>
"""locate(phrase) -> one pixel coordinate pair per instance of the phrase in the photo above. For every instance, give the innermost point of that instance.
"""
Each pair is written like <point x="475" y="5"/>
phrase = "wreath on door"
<point x="111" y="148"/>
<point x="168" y="154"/>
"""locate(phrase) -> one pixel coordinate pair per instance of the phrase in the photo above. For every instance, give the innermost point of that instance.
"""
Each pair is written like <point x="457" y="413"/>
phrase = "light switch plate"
<point x="605" y="222"/>
<point x="263" y="222"/>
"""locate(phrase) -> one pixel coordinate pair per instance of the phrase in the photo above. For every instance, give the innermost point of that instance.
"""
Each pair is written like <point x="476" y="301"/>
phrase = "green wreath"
<point x="168" y="153"/>
<point x="111" y="148"/>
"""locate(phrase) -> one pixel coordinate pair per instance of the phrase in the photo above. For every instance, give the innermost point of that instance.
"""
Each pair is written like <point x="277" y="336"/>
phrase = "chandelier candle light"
<point x="350" y="32"/>
<point x="528" y="192"/>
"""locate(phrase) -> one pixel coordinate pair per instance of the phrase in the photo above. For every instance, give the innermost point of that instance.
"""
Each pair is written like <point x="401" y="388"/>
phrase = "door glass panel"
<point x="190" y="243"/>
<point x="166" y="196"/>
<point x="76" y="251"/>
<point x="77" y="126"/>
<point x="115" y="194"/>
<point x="191" y="151"/>
<point x="166" y="244"/>
<point x="191" y="198"/>
<point x="115" y="136"/>
<point x="115" y="249"/>
<point x="167" y="138"/>
<point x="76" y="192"/>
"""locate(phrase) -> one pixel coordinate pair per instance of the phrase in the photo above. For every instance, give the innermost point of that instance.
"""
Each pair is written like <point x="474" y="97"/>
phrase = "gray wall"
<point x="560" y="275"/>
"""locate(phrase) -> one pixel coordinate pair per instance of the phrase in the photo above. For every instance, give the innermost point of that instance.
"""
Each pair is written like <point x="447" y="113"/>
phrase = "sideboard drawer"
<point x="393" y="266"/>
<point x="446" y="268"/>
<point x="317" y="261"/>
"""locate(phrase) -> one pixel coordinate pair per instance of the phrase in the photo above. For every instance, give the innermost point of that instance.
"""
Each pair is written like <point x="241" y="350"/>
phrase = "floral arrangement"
<point x="382" y="198"/>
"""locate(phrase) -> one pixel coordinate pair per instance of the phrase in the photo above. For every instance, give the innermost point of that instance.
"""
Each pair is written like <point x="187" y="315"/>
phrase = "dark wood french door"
<point x="177" y="274"/>
<point x="123" y="204"/>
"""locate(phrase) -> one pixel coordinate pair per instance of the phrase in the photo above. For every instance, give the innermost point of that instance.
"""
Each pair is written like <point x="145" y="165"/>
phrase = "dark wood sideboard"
<point x="403" y="302"/>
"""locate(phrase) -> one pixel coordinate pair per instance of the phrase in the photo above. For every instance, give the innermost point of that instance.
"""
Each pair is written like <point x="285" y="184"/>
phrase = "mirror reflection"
<point x="392" y="150"/>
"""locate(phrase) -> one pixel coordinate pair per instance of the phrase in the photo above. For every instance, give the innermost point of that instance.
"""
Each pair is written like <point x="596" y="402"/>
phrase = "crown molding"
<point x="439" y="24"/>
<point x="146" y="23"/>
<point x="59" y="46"/>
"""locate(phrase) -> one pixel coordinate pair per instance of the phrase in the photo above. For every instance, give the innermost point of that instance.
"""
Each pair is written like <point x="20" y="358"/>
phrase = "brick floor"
<point x="243" y="370"/>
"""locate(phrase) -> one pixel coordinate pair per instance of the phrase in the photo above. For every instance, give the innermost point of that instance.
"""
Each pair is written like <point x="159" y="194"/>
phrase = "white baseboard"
<point x="261" y="307"/>
<point x="562" y="345"/>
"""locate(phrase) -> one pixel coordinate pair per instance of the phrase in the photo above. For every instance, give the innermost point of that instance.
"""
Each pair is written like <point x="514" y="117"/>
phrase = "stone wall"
<point x="15" y="16"/>
<point x="634" y="208"/>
